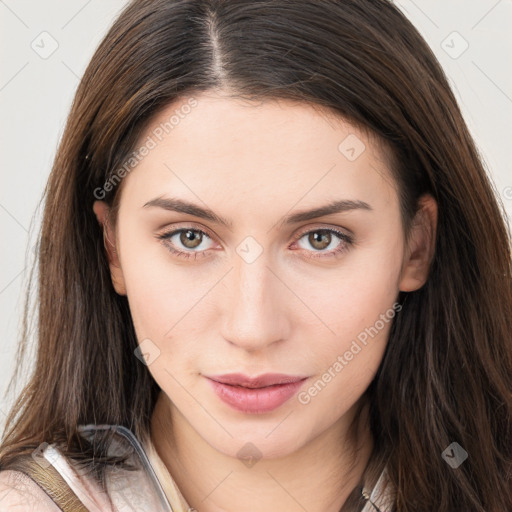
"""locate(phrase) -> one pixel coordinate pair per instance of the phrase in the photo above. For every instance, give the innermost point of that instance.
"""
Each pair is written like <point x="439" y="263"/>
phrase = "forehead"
<point x="259" y="153"/>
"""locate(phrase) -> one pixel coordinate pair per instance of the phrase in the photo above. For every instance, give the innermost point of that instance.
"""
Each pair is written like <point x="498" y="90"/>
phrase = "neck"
<point x="318" y="477"/>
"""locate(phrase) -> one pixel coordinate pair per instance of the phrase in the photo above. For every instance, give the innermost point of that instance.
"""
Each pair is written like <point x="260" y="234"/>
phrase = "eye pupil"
<point x="187" y="238"/>
<point x="320" y="242"/>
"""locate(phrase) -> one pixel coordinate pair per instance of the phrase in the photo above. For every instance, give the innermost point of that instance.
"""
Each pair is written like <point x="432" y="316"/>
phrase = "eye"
<point x="183" y="242"/>
<point x="324" y="238"/>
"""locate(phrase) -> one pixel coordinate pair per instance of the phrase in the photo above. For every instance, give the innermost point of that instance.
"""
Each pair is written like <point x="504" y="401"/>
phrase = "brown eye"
<point x="326" y="242"/>
<point x="184" y="242"/>
<point x="320" y="239"/>
<point x="191" y="238"/>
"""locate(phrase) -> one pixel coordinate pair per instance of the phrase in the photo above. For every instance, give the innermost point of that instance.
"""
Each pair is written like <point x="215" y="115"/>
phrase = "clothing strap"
<point x="51" y="482"/>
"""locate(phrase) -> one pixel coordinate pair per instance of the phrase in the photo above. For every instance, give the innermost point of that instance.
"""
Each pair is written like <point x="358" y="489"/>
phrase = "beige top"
<point x="127" y="491"/>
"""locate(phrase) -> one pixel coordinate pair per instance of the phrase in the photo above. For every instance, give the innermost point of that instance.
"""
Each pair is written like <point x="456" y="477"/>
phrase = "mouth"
<point x="259" y="394"/>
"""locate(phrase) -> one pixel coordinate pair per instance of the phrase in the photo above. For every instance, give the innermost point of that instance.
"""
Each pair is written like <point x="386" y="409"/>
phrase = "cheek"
<point x="352" y="297"/>
<point x="345" y="363"/>
<point x="160" y="290"/>
<point x="359" y="308"/>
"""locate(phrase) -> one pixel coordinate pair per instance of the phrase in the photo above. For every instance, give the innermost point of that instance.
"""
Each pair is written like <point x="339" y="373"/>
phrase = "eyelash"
<point x="348" y="241"/>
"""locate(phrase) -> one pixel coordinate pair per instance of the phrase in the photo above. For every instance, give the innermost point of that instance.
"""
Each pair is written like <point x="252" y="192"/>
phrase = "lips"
<point x="268" y="379"/>
<point x="259" y="394"/>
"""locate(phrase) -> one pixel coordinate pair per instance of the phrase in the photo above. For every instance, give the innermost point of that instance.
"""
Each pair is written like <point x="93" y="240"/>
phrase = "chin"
<point x="259" y="443"/>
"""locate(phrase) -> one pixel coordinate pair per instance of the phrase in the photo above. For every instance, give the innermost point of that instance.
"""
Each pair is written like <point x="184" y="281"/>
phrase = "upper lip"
<point x="260" y="381"/>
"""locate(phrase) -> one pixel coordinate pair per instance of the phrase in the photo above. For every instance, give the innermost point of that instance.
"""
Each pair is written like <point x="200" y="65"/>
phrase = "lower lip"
<point x="255" y="400"/>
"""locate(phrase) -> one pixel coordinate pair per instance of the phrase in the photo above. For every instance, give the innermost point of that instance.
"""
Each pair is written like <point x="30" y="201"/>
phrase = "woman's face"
<point x="260" y="282"/>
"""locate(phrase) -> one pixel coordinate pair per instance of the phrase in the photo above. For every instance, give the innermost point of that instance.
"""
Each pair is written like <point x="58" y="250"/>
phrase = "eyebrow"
<point x="181" y="206"/>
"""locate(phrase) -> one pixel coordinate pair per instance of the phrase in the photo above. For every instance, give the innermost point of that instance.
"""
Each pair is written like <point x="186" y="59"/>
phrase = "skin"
<point x="286" y="312"/>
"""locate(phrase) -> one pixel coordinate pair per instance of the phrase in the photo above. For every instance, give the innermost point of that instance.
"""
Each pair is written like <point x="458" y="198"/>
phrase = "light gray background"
<point x="36" y="90"/>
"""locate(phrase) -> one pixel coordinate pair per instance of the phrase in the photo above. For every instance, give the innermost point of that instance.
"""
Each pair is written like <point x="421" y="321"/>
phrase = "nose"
<point x="255" y="314"/>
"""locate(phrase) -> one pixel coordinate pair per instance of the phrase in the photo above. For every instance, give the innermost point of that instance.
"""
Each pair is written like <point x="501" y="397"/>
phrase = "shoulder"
<point x="19" y="493"/>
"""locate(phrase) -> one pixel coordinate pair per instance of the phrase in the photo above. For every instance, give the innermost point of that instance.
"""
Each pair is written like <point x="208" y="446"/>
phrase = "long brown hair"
<point x="446" y="375"/>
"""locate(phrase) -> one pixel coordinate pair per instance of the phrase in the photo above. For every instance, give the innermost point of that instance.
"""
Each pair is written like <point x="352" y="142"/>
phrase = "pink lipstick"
<point x="259" y="394"/>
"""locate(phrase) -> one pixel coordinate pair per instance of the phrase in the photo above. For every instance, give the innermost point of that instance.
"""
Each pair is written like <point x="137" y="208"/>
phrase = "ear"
<point x="421" y="248"/>
<point x="102" y="210"/>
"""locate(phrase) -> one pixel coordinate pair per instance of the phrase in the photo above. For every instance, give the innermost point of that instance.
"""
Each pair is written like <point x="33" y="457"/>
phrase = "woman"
<point x="271" y="261"/>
